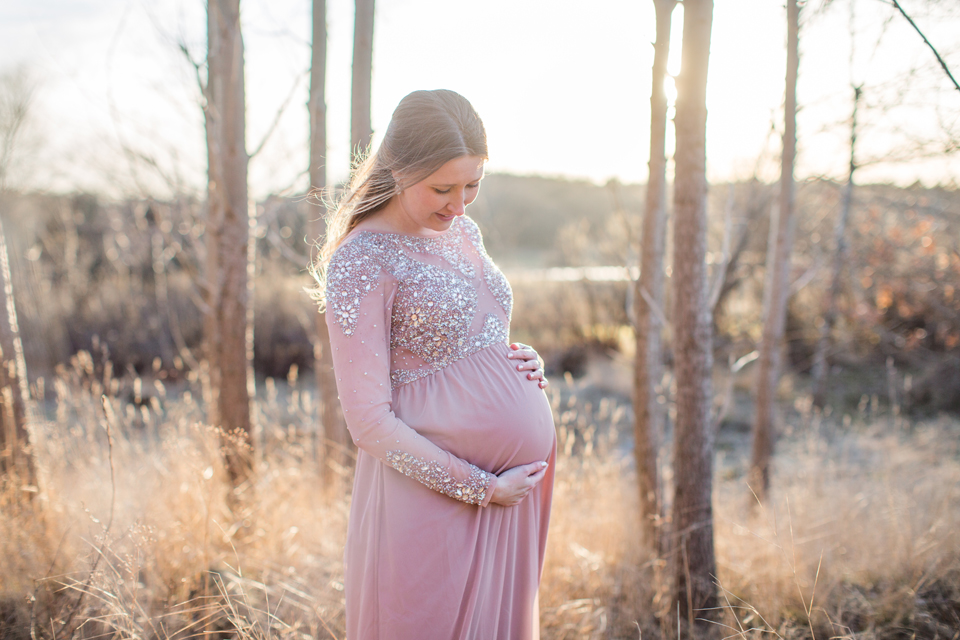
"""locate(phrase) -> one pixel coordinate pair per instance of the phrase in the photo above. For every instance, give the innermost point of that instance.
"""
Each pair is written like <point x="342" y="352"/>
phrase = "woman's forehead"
<point x="460" y="170"/>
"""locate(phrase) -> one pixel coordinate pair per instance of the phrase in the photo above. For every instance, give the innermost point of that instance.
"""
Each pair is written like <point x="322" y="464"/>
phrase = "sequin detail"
<point x="351" y="275"/>
<point x="448" y="246"/>
<point x="434" y="307"/>
<point x="496" y="281"/>
<point x="432" y="311"/>
<point x="499" y="287"/>
<point x="472" y="491"/>
<point x="493" y="332"/>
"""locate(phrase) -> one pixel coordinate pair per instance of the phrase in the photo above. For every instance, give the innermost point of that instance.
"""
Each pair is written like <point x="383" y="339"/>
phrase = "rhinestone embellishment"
<point x="434" y="307"/>
<point x="472" y="491"/>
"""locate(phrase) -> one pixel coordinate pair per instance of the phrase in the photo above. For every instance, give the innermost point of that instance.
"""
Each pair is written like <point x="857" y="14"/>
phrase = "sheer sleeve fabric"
<point x="359" y="298"/>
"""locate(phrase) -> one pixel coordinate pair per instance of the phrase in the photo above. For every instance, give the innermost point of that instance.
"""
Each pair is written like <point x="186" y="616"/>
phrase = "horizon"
<point x="199" y="196"/>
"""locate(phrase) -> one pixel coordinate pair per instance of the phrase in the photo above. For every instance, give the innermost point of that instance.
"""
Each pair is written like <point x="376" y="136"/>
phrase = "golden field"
<point x="132" y="535"/>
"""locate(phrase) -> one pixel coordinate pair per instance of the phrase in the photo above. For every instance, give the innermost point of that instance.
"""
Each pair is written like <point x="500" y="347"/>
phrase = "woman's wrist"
<point x="491" y="487"/>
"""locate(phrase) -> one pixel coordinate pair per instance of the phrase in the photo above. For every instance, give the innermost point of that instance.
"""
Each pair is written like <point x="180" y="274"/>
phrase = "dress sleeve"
<point x="359" y="297"/>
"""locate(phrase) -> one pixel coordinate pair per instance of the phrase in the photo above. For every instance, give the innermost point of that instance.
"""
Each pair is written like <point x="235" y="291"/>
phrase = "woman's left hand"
<point x="530" y="361"/>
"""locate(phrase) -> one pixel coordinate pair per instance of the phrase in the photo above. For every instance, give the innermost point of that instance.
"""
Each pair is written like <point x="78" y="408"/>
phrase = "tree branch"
<point x="657" y="311"/>
<point x="278" y="115"/>
<point x="939" y="59"/>
<point x="720" y="275"/>
<point x="277" y="242"/>
<point x="182" y="46"/>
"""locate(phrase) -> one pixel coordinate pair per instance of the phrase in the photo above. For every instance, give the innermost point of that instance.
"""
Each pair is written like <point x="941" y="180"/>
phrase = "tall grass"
<point x="135" y="535"/>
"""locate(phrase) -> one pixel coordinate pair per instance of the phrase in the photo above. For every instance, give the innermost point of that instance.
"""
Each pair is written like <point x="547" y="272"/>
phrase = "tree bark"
<point x="17" y="464"/>
<point x="820" y="365"/>
<point x="648" y="366"/>
<point x="695" y="570"/>
<point x="334" y="440"/>
<point x="227" y="234"/>
<point x="317" y="105"/>
<point x="777" y="290"/>
<point x="16" y="456"/>
<point x="360" y="128"/>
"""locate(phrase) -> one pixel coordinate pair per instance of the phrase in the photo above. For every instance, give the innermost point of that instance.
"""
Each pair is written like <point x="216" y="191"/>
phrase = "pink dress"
<point x="419" y="332"/>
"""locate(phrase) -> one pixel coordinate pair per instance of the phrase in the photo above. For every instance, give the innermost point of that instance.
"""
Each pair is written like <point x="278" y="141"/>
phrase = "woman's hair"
<point x="427" y="130"/>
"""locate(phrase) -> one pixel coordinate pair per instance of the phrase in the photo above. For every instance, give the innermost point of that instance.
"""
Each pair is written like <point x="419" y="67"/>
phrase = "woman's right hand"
<point x="514" y="484"/>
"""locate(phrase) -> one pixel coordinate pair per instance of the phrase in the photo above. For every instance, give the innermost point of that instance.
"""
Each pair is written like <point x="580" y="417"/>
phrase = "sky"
<point x="563" y="87"/>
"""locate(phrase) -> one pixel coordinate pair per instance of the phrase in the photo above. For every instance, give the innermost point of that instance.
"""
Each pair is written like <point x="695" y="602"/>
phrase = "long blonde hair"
<point x="427" y="130"/>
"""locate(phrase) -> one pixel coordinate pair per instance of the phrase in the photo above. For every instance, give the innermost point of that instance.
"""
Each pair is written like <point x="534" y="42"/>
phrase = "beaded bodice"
<point x="449" y="300"/>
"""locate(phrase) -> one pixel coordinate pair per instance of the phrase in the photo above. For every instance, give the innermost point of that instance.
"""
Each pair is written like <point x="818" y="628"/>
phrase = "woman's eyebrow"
<point x="453" y="184"/>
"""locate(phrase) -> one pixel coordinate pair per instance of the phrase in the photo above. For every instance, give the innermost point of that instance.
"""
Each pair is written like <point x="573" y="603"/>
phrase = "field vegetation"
<point x="133" y="536"/>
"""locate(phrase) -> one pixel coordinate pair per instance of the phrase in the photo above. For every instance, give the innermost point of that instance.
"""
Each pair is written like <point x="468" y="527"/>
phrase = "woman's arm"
<point x="359" y="303"/>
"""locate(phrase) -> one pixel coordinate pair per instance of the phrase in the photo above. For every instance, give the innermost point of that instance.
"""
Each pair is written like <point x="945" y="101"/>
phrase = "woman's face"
<point x="431" y="205"/>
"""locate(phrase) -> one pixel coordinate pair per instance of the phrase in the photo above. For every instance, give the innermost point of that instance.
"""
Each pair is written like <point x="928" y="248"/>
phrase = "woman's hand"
<point x="530" y="362"/>
<point x="514" y="484"/>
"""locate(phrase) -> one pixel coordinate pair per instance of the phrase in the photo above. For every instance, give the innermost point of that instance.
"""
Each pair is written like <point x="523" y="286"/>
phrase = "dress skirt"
<point x="422" y="566"/>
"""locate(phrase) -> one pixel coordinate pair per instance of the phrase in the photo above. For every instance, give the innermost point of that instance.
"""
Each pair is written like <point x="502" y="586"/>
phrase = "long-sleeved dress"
<point x="419" y="334"/>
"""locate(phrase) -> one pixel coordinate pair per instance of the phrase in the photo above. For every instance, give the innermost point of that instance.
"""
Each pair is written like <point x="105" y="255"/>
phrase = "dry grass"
<point x="861" y="539"/>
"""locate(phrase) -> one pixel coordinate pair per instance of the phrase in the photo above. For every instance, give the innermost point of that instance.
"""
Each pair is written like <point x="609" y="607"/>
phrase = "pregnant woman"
<point x="454" y="476"/>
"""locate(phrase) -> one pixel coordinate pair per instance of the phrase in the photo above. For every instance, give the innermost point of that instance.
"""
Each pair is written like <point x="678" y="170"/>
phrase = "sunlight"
<point x="670" y="88"/>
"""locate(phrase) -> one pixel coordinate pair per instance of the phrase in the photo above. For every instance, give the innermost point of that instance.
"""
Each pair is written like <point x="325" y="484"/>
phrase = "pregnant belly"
<point x="481" y="409"/>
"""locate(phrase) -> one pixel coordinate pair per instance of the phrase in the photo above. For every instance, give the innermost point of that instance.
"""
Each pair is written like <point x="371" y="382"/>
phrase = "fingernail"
<point x="519" y="367"/>
<point x="543" y="465"/>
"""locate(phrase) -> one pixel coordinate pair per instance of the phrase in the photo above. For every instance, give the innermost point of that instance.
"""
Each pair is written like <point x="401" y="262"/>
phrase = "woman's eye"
<point x="473" y="186"/>
<point x="442" y="191"/>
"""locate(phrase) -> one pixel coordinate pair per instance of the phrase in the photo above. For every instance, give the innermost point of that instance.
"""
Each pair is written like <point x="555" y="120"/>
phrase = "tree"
<point x="832" y="311"/>
<point x="227" y="236"/>
<point x="16" y="459"/>
<point x="360" y="129"/>
<point x="777" y="286"/>
<point x="648" y="299"/>
<point x="694" y="595"/>
<point x="333" y="434"/>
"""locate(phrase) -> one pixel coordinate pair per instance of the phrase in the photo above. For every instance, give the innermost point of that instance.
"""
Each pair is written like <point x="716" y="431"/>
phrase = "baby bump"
<point x="481" y="409"/>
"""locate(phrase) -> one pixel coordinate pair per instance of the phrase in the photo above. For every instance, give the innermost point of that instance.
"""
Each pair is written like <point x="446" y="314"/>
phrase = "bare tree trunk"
<point x="694" y="596"/>
<point x="227" y="234"/>
<point x="17" y="463"/>
<point x="820" y="365"/>
<point x="777" y="289"/>
<point x="250" y="309"/>
<point x="361" y="130"/>
<point x="648" y="299"/>
<point x="333" y="436"/>
<point x="16" y="457"/>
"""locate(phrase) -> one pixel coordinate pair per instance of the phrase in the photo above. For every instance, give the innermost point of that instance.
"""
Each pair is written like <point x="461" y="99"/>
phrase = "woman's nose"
<point x="457" y="204"/>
